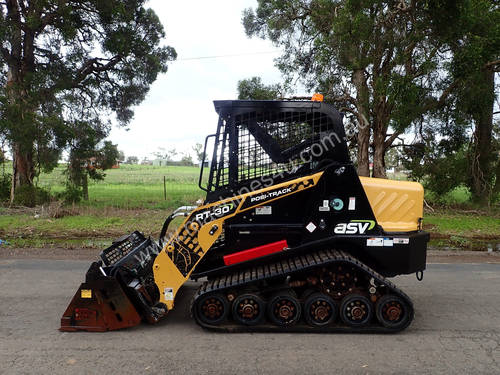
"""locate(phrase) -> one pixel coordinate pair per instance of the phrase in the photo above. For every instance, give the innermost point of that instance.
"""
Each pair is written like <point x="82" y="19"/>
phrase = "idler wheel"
<point x="213" y="309"/>
<point x="284" y="309"/>
<point x="392" y="311"/>
<point x="248" y="309"/>
<point x="356" y="310"/>
<point x="320" y="310"/>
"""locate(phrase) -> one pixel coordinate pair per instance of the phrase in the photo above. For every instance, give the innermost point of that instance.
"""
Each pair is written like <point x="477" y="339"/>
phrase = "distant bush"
<point x="71" y="194"/>
<point x="5" y="181"/>
<point x="30" y="196"/>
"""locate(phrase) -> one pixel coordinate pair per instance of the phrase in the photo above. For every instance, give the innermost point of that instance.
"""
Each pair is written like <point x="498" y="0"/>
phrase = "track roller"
<point x="248" y="309"/>
<point x="392" y="311"/>
<point x="213" y="309"/>
<point x="356" y="310"/>
<point x="284" y="309"/>
<point x="320" y="310"/>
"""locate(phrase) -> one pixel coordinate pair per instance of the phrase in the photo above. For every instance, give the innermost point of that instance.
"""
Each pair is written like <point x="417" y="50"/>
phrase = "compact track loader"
<point x="289" y="238"/>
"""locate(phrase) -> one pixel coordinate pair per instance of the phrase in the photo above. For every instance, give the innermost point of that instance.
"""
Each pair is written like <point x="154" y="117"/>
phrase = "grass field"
<point x="132" y="198"/>
<point x="141" y="187"/>
<point x="136" y="186"/>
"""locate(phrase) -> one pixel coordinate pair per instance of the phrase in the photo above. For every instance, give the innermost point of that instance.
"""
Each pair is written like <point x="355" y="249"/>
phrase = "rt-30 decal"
<point x="215" y="212"/>
<point x="354" y="227"/>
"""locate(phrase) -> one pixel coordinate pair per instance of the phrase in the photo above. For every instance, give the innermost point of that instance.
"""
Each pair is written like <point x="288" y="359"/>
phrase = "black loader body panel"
<point x="288" y="218"/>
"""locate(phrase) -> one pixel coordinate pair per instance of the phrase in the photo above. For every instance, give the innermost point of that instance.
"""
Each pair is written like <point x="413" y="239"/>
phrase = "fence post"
<point x="164" y="188"/>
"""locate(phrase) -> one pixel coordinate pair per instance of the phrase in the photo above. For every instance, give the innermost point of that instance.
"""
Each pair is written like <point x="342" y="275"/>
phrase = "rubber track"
<point x="285" y="268"/>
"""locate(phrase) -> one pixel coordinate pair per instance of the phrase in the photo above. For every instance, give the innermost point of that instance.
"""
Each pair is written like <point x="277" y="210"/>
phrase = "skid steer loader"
<point x="289" y="238"/>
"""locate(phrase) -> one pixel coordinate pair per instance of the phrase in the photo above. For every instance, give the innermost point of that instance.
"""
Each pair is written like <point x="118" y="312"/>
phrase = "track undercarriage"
<point x="323" y="291"/>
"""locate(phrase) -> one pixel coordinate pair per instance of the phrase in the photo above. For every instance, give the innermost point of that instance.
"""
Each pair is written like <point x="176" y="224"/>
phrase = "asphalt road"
<point x="456" y="330"/>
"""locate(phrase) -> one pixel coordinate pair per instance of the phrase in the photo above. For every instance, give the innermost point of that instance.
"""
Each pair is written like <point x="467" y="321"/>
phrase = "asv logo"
<point x="354" y="227"/>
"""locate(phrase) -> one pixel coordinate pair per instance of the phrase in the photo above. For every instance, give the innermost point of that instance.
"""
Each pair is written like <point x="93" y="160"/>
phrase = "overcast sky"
<point x="178" y="111"/>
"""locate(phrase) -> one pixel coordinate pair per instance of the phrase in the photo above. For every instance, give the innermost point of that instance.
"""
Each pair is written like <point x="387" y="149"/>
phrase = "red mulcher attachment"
<point x="98" y="306"/>
<point x="119" y="290"/>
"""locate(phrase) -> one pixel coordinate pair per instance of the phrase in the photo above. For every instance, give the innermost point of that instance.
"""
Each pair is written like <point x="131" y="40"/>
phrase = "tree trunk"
<point x="481" y="155"/>
<point x="379" y="155"/>
<point x="496" y="188"/>
<point x="85" y="187"/>
<point x="23" y="169"/>
<point x="359" y="80"/>
<point x="380" y="125"/>
<point x="21" y="64"/>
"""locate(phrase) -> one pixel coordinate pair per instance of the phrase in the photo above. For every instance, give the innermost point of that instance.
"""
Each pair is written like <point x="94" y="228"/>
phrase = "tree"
<point x="163" y="153"/>
<point x="132" y="160"/>
<point x="372" y="59"/>
<point x="254" y="89"/>
<point x="198" y="150"/>
<point x="121" y="156"/>
<point x="186" y="160"/>
<point x="68" y="64"/>
<point x="476" y="59"/>
<point x="85" y="163"/>
<point x="470" y="30"/>
<point x="437" y="157"/>
<point x="2" y="157"/>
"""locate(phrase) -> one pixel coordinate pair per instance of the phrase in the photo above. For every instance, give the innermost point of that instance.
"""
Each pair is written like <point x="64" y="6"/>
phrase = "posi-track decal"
<point x="260" y="198"/>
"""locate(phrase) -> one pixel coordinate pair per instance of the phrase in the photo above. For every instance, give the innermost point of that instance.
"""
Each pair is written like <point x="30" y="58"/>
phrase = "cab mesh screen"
<point x="267" y="144"/>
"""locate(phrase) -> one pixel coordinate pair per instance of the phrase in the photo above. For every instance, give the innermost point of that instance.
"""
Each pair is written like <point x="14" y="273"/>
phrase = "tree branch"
<point x="493" y="64"/>
<point x="433" y="104"/>
<point x="91" y="66"/>
<point x="388" y="141"/>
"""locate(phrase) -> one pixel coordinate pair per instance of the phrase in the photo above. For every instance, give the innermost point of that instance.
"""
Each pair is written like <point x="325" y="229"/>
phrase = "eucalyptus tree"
<point x="69" y="68"/>
<point x="373" y="59"/>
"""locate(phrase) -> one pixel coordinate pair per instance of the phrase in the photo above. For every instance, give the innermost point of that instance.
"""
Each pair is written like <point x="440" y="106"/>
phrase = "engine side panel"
<point x="398" y="205"/>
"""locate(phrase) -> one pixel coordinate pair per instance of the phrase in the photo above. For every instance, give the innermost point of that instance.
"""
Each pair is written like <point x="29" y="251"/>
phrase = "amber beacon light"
<point x="317" y="97"/>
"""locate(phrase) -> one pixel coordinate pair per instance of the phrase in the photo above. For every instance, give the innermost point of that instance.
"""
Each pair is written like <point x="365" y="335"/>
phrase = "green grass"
<point x="459" y="196"/>
<point x="61" y="225"/>
<point x="464" y="224"/>
<point x="135" y="186"/>
<point x="464" y="230"/>
<point x="84" y="227"/>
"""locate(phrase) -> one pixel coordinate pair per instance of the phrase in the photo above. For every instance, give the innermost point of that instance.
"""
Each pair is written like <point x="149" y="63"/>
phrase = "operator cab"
<point x="263" y="141"/>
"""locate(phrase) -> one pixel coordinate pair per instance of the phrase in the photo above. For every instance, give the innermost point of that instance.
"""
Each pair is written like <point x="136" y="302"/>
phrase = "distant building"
<point x="92" y="163"/>
<point x="160" y="162"/>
